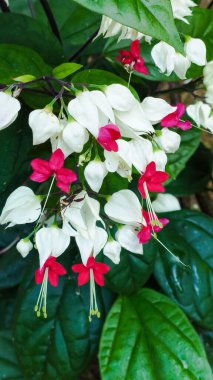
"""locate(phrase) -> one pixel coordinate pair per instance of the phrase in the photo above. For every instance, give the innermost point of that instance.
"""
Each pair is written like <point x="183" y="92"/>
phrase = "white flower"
<point x="9" y="108"/>
<point x="160" y="158"/>
<point x="155" y="109"/>
<point x="141" y="153"/>
<point x="124" y="207"/>
<point x="168" y="60"/>
<point x="166" y="203"/>
<point x="22" y="206"/>
<point x="91" y="245"/>
<point x="92" y="110"/>
<point x="195" y="51"/>
<point x="44" y="124"/>
<point x="181" y="9"/>
<point x="24" y="247"/>
<point x="50" y="241"/>
<point x="168" y="140"/>
<point x="95" y="172"/>
<point x="110" y="28"/>
<point x="112" y="250"/>
<point x="201" y="114"/>
<point x="208" y="81"/>
<point x="120" y="97"/>
<point x="71" y="138"/>
<point x="121" y="161"/>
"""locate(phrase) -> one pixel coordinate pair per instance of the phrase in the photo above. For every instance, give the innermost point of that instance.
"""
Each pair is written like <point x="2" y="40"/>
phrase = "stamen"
<point x="41" y="304"/>
<point x="93" y="301"/>
<point x="152" y="215"/>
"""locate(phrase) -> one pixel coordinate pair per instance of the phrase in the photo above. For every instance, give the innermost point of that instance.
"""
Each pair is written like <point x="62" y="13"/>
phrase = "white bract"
<point x="112" y="250"/>
<point x="124" y="207"/>
<point x="71" y="138"/>
<point x="50" y="241"/>
<point x="121" y="161"/>
<point x="168" y="140"/>
<point x="208" y="81"/>
<point x="160" y="158"/>
<point x="111" y="28"/>
<point x="166" y="203"/>
<point x="9" y="108"/>
<point x="201" y="113"/>
<point x="22" y="206"/>
<point x="155" y="109"/>
<point x="44" y="124"/>
<point x="195" y="51"/>
<point x="92" y="110"/>
<point x="95" y="172"/>
<point x="24" y="247"/>
<point x="181" y="9"/>
<point x="120" y="97"/>
<point x="141" y="153"/>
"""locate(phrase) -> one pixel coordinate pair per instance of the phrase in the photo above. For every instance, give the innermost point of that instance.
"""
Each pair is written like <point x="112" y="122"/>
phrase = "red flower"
<point x="132" y="58"/>
<point x="54" y="271"/>
<point x="146" y="232"/>
<point x="173" y="119"/>
<point x="153" y="179"/>
<point x="98" y="269"/>
<point x="43" y="170"/>
<point x="107" y="137"/>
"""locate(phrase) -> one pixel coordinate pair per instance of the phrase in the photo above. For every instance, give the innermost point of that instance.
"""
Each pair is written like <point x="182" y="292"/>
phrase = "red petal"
<point x="150" y="169"/>
<point x="39" y="275"/>
<point x="41" y="166"/>
<point x="78" y="268"/>
<point x="145" y="234"/>
<point x="53" y="278"/>
<point x="58" y="268"/>
<point x="141" y="186"/>
<point x="146" y="216"/>
<point x="155" y="187"/>
<point x="63" y="187"/>
<point x="101" y="268"/>
<point x="141" y="68"/>
<point x="91" y="262"/>
<point x="56" y="160"/>
<point x="184" y="125"/>
<point x="159" y="176"/>
<point x="135" y="48"/>
<point x="38" y="177"/>
<point x="83" y="277"/>
<point x="66" y="176"/>
<point x="164" y="222"/>
<point x="181" y="108"/>
<point x="99" y="278"/>
<point x="170" y="120"/>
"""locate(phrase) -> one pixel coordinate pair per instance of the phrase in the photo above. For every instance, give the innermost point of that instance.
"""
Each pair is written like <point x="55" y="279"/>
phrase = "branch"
<point x="83" y="47"/>
<point x="4" y="7"/>
<point x="51" y="19"/>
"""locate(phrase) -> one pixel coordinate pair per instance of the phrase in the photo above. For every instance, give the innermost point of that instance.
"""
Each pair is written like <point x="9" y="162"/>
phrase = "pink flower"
<point x="174" y="119"/>
<point x="43" y="170"/>
<point x="152" y="180"/>
<point x="132" y="58"/>
<point x="98" y="269"/>
<point x="107" y="137"/>
<point x="146" y="232"/>
<point x="54" y="271"/>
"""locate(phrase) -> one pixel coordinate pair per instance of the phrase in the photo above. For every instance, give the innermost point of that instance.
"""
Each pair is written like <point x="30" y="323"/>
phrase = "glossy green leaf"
<point x="17" y="60"/>
<point x="132" y="272"/>
<point x="149" y="17"/>
<point x="189" y="235"/>
<point x="197" y="172"/>
<point x="190" y="141"/>
<point x="9" y="369"/>
<point x="207" y="340"/>
<point x="65" y="69"/>
<point x="26" y="31"/>
<point x="61" y="346"/>
<point x="146" y="337"/>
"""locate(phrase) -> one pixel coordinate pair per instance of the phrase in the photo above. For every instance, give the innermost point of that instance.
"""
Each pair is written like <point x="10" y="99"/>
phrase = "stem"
<point x="83" y="47"/>
<point x="4" y="7"/>
<point x="47" y="197"/>
<point x="51" y="19"/>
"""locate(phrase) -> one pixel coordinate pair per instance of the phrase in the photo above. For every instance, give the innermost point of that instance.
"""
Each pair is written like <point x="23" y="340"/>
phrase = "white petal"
<point x="44" y="124"/>
<point x="124" y="207"/>
<point x="162" y="54"/>
<point x="100" y="240"/>
<point x="166" y="203"/>
<point x="199" y="112"/>
<point x="85" y="246"/>
<point x="75" y="136"/>
<point x="160" y="158"/>
<point x="95" y="173"/>
<point x="135" y="119"/>
<point x="112" y="250"/>
<point x="156" y="109"/>
<point x="195" y="51"/>
<point x="100" y="100"/>
<point x="120" y="97"/>
<point x="127" y="238"/>
<point x="141" y="153"/>
<point x="24" y="247"/>
<point x="168" y="140"/>
<point x="181" y="65"/>
<point x="9" y="108"/>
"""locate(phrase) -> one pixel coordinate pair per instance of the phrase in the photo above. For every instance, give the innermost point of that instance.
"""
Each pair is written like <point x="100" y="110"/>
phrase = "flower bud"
<point x="9" y="108"/>
<point x="166" y="203"/>
<point x="112" y="250"/>
<point x="195" y="50"/>
<point x="24" y="247"/>
<point x="44" y="124"/>
<point x="95" y="172"/>
<point x="168" y="140"/>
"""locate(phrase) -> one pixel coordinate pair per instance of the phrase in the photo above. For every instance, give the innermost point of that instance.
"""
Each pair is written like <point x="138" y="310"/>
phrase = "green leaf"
<point x="24" y="78"/>
<point x="207" y="340"/>
<point x="26" y="31"/>
<point x="65" y="69"/>
<point x="17" y="60"/>
<point x="61" y="346"/>
<point x="8" y="361"/>
<point x="197" y="172"/>
<point x="189" y="235"/>
<point x="190" y="141"/>
<point x="132" y="272"/>
<point x="149" y="17"/>
<point x="7" y="306"/>
<point x="147" y="337"/>
<point x="100" y="77"/>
